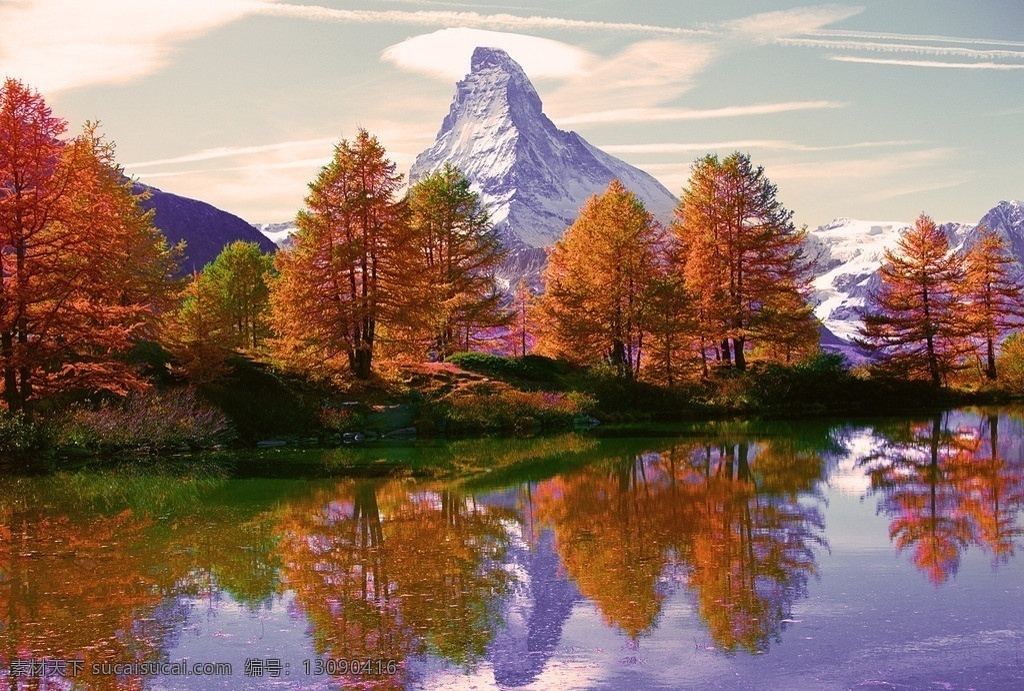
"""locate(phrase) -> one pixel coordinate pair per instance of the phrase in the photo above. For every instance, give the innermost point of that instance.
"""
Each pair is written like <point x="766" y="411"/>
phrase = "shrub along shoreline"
<point x="471" y="394"/>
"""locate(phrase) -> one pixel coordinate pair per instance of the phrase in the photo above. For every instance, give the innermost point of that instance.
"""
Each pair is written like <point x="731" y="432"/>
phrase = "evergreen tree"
<point x="240" y="277"/>
<point x="992" y="296"/>
<point x="672" y="322"/>
<point x="915" y="322"/>
<point x="348" y="271"/>
<point x="597" y="283"/>
<point x="459" y="252"/>
<point x="743" y="258"/>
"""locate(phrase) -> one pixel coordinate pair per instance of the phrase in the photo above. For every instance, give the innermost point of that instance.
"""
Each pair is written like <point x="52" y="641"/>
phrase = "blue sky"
<point x="874" y="110"/>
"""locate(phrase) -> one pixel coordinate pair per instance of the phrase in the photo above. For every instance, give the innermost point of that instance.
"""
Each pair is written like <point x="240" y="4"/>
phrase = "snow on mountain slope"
<point x="277" y="233"/>
<point x="848" y="253"/>
<point x="532" y="176"/>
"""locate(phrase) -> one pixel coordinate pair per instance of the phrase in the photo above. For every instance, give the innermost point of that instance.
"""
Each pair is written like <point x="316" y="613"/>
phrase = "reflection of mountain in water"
<point x="535" y="613"/>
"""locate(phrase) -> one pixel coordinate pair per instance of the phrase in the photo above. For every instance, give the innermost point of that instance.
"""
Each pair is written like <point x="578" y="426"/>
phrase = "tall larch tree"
<point x="915" y="320"/>
<point x="33" y="187"/>
<point x="672" y="323"/>
<point x="993" y="297"/>
<point x="522" y="327"/>
<point x="118" y="279"/>
<point x="743" y="258"/>
<point x="459" y="252"/>
<point x="344" y="276"/>
<point x="83" y="273"/>
<point x="597" y="283"/>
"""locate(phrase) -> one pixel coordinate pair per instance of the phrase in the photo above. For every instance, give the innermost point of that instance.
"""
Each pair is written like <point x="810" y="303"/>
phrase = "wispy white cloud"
<point x="475" y="20"/>
<point x="297" y="150"/>
<point x="62" y="44"/>
<point x="886" y="36"/>
<point x="232" y="152"/>
<point x="766" y="27"/>
<point x="667" y="114"/>
<point x="965" y="53"/>
<point x="446" y="53"/>
<point x="644" y="74"/>
<point x="306" y="163"/>
<point x="929" y="63"/>
<point x="907" y="190"/>
<point x="872" y="167"/>
<point x="912" y="48"/>
<point x="744" y="144"/>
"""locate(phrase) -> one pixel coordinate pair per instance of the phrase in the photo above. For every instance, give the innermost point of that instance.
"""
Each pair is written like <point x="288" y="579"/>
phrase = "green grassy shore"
<point x="471" y="394"/>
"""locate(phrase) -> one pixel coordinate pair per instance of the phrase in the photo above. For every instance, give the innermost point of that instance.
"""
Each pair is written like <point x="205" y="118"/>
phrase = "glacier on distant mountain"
<point x="278" y="233"/>
<point x="849" y="253"/>
<point x="532" y="176"/>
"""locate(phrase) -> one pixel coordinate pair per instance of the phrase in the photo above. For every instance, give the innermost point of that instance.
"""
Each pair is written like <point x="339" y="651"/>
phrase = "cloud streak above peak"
<point x="474" y="20"/>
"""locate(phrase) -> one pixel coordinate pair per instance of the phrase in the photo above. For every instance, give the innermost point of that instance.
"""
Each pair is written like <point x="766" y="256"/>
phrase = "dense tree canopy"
<point x="993" y="296"/>
<point x="743" y="260"/>
<point x="597" y="283"/>
<point x="83" y="273"/>
<point x="459" y="252"/>
<point x="351" y="262"/>
<point x="915" y="323"/>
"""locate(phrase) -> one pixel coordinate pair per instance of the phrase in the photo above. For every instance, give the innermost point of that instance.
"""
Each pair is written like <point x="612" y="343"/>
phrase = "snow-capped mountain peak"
<point x="533" y="177"/>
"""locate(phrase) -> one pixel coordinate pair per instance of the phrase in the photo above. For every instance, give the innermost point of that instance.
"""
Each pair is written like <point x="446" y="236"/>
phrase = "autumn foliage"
<point x="458" y="254"/>
<point x="936" y="308"/>
<point x="343" y="278"/>
<point x="743" y="261"/>
<point x="83" y="273"/>
<point x="597" y="283"/>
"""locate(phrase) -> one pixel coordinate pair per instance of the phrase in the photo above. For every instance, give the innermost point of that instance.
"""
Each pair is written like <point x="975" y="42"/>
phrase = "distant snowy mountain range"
<point x="534" y="178"/>
<point x="849" y="254"/>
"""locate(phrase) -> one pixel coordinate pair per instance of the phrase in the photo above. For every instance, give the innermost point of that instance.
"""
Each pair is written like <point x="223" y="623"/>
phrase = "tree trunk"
<point x="933" y="362"/>
<point x="360" y="361"/>
<point x="990" y="371"/>
<point x="11" y="396"/>
<point x="726" y="354"/>
<point x="619" y="358"/>
<point x="741" y="360"/>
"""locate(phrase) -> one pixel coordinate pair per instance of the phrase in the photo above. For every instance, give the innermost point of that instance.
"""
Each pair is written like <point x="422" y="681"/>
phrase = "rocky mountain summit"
<point x="533" y="176"/>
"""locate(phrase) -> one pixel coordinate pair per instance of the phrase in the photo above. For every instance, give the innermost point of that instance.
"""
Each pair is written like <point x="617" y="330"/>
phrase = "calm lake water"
<point x="874" y="555"/>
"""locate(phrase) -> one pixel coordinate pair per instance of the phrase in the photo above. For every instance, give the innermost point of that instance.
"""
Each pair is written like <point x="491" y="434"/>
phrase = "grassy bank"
<point x="470" y="394"/>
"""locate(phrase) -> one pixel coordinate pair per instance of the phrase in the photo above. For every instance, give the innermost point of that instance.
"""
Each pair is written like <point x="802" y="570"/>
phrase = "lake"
<point x="869" y="554"/>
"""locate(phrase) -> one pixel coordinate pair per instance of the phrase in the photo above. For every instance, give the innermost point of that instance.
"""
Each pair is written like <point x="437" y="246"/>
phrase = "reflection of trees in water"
<point x="102" y="565"/>
<point x="384" y="573"/>
<point x="753" y="550"/>
<point x="945" y="488"/>
<point x="727" y="513"/>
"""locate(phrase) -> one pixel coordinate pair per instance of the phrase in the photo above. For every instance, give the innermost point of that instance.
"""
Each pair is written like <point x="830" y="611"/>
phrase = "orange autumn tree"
<point x="915" y="323"/>
<point x="343" y="279"/>
<point x="597" y="283"/>
<point x="83" y="273"/>
<point x="994" y="298"/>
<point x="743" y="259"/>
<point x="520" y="336"/>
